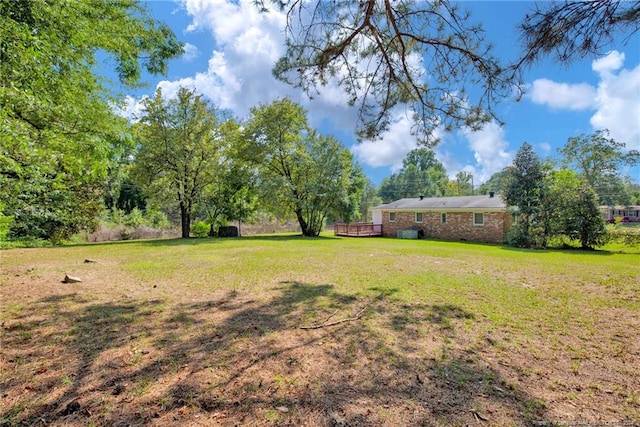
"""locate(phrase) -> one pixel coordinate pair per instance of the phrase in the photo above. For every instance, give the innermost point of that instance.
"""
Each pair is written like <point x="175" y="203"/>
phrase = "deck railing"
<point x="360" y="229"/>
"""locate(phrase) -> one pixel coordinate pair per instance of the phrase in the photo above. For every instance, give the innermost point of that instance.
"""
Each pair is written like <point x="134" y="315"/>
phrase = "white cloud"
<point x="618" y="110"/>
<point x="238" y="75"/>
<point x="576" y="97"/>
<point x="490" y="151"/>
<point x="191" y="52"/>
<point x="545" y="147"/>
<point x="611" y="62"/>
<point x="451" y="161"/>
<point x="225" y="19"/>
<point x="219" y="83"/>
<point x="392" y="148"/>
<point x="615" y="100"/>
<point x="248" y="43"/>
<point x="130" y="108"/>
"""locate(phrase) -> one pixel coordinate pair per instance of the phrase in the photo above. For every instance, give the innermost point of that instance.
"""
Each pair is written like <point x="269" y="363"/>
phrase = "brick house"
<point x="471" y="218"/>
<point x="625" y="213"/>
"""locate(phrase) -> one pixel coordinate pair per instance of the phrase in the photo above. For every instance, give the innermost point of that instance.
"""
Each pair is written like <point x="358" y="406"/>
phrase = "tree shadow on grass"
<point x="232" y="360"/>
<point x="566" y="251"/>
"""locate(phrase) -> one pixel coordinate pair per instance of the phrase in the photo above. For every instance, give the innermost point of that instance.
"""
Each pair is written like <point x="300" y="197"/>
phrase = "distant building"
<point x="625" y="213"/>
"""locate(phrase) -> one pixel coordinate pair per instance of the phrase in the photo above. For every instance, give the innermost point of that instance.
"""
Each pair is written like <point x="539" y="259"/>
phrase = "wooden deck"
<point x="360" y="229"/>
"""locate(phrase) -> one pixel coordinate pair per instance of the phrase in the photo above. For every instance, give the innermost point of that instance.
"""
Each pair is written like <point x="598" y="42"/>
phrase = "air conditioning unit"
<point x="407" y="234"/>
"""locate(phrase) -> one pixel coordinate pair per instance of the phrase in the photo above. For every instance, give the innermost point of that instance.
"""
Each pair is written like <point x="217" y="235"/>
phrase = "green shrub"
<point x="157" y="219"/>
<point x="117" y="216"/>
<point x="518" y="237"/>
<point x="135" y="218"/>
<point x="25" y="243"/>
<point x="5" y="223"/>
<point x="200" y="229"/>
<point x="126" y="234"/>
<point x="628" y="236"/>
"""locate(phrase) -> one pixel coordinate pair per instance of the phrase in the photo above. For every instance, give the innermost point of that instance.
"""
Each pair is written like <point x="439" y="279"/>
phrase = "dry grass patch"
<point x="208" y="333"/>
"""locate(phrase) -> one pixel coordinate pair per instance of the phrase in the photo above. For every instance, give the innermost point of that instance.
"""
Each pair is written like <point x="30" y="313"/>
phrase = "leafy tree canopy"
<point x="381" y="52"/>
<point x="181" y="147"/>
<point x="56" y="113"/>
<point x="464" y="183"/>
<point x="421" y="175"/>
<point x="498" y="182"/>
<point x="375" y="50"/>
<point x="575" y="209"/>
<point x="526" y="192"/>
<point x="527" y="176"/>
<point x="601" y="160"/>
<point x="300" y="171"/>
<point x="370" y="198"/>
<point x="422" y="158"/>
<point x="550" y="203"/>
<point x="232" y="193"/>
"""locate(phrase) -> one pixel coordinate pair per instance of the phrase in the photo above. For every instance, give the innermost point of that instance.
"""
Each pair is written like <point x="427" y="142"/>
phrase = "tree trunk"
<point x="584" y="238"/>
<point x="314" y="225"/>
<point x="303" y="224"/>
<point x="185" y="220"/>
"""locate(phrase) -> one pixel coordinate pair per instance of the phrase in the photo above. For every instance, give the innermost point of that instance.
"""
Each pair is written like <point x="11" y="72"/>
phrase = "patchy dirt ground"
<point x="113" y="351"/>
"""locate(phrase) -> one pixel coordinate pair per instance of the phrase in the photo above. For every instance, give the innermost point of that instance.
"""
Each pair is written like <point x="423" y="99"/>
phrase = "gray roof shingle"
<point x="456" y="202"/>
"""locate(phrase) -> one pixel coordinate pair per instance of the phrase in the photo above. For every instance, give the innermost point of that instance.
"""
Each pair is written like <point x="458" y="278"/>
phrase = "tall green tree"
<point x="525" y="193"/>
<point x="335" y="183"/>
<point x="601" y="160"/>
<point x="583" y="219"/>
<point x="571" y="209"/>
<point x="464" y="182"/>
<point x="635" y="193"/>
<point x="56" y="117"/>
<point x="302" y="172"/>
<point x="413" y="181"/>
<point x="231" y="194"/>
<point x="556" y="202"/>
<point x="5" y="223"/>
<point x="568" y="208"/>
<point x="421" y="175"/>
<point x="422" y="158"/>
<point x="498" y="182"/>
<point x="121" y="192"/>
<point x="180" y="150"/>
<point x="370" y="198"/>
<point x="390" y="188"/>
<point x="350" y="204"/>
<point x="436" y="180"/>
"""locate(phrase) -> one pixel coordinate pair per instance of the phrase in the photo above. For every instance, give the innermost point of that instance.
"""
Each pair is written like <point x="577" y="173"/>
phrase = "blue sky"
<point x="230" y="50"/>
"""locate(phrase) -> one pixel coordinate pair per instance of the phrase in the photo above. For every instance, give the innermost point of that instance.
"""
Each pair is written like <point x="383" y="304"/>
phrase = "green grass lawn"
<point x="208" y="332"/>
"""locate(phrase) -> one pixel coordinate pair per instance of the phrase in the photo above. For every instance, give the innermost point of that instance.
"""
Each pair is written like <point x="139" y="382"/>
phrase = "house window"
<point x="418" y="216"/>
<point x="392" y="217"/>
<point x="478" y="218"/>
<point x="443" y="218"/>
